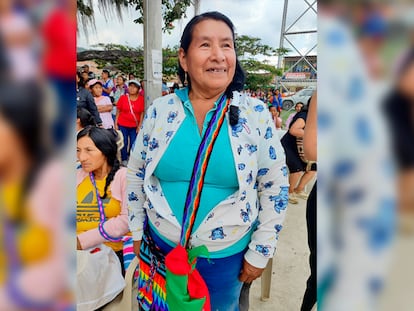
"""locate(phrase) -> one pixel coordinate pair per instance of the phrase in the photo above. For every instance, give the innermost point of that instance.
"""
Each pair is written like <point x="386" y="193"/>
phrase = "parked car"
<point x="303" y="95"/>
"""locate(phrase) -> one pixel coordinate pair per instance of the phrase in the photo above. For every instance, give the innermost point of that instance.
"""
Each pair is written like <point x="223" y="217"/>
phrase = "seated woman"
<point x="100" y="175"/>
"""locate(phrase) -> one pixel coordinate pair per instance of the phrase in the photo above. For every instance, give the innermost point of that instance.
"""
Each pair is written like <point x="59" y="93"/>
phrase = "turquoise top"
<point x="176" y="165"/>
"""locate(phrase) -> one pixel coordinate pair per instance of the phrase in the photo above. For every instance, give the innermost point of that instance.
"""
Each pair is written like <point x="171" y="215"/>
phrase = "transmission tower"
<point x="286" y="34"/>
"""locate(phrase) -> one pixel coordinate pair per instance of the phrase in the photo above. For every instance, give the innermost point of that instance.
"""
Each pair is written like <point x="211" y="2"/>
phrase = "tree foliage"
<point x="171" y="11"/>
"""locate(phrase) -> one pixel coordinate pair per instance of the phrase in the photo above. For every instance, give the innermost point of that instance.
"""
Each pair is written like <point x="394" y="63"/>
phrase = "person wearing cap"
<point x="129" y="115"/>
<point x="107" y="83"/>
<point x="85" y="68"/>
<point x="103" y="103"/>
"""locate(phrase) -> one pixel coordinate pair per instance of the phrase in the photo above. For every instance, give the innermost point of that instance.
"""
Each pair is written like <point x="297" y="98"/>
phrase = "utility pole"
<point x="152" y="50"/>
<point x="196" y="4"/>
<point x="282" y="33"/>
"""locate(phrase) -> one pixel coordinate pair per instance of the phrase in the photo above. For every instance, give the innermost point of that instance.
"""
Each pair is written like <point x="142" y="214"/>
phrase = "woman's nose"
<point x="217" y="53"/>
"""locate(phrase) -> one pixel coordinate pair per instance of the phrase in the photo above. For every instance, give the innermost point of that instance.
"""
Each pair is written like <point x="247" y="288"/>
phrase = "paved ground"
<point x="290" y="265"/>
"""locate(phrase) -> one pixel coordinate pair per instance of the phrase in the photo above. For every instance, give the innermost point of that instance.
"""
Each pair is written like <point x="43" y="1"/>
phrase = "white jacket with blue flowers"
<point x="261" y="171"/>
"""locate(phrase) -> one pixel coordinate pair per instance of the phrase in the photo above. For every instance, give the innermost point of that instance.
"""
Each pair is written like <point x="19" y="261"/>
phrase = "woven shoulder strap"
<point x="195" y="187"/>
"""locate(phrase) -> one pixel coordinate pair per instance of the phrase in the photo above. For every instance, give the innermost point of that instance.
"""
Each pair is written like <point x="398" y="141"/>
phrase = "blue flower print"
<point x="150" y="206"/>
<point x="262" y="172"/>
<point x="158" y="216"/>
<point x="238" y="128"/>
<point x="217" y="233"/>
<point x="143" y="155"/>
<point x="171" y="116"/>
<point x="258" y="131"/>
<point x="269" y="133"/>
<point x="284" y="191"/>
<point x="171" y="101"/>
<point x="244" y="216"/>
<point x="153" y="144"/>
<point x="210" y="216"/>
<point x="280" y="202"/>
<point x="148" y="161"/>
<point x="248" y="208"/>
<point x="251" y="148"/>
<point x="278" y="228"/>
<point x="145" y="140"/>
<point x="132" y="197"/>
<point x="256" y="184"/>
<point x="141" y="173"/>
<point x="168" y="135"/>
<point x="243" y="196"/>
<point x="241" y="166"/>
<point x="239" y="149"/>
<point x="264" y="250"/>
<point x="272" y="153"/>
<point x="258" y="108"/>
<point x="268" y="185"/>
<point x="284" y="171"/>
<point x="154" y="113"/>
<point x="249" y="178"/>
<point x="153" y="188"/>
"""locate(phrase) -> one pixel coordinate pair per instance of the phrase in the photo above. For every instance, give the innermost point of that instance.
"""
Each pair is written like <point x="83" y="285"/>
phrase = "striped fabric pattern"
<point x="200" y="168"/>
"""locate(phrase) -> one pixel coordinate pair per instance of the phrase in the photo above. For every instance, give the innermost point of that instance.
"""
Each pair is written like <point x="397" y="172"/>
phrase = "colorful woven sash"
<point x="195" y="187"/>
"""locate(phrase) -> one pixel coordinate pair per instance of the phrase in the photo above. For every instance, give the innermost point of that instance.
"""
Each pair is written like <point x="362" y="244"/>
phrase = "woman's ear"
<point x="182" y="59"/>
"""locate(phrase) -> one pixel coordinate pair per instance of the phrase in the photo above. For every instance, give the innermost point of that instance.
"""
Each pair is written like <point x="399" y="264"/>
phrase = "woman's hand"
<point x="137" y="246"/>
<point x="249" y="273"/>
<point x="78" y="245"/>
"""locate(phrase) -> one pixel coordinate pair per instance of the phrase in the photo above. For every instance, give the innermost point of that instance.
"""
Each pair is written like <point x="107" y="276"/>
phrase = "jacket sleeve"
<point x="92" y="107"/>
<point x="115" y="226"/>
<point x="136" y="175"/>
<point x="272" y="188"/>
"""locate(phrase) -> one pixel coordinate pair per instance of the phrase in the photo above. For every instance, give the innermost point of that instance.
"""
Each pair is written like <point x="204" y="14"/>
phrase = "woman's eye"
<point x="205" y="44"/>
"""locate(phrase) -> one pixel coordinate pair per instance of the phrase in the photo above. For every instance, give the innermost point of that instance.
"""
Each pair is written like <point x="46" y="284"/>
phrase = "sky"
<point x="256" y="18"/>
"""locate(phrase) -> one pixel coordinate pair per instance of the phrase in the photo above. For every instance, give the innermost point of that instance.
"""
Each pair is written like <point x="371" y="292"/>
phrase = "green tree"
<point x="251" y="46"/>
<point x="171" y="11"/>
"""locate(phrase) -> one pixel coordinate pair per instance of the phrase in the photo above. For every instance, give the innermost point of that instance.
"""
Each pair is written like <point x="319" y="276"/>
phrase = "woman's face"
<point x="210" y="60"/>
<point x="90" y="157"/>
<point x="96" y="90"/>
<point x="133" y="89"/>
<point x="298" y="107"/>
<point x="120" y="81"/>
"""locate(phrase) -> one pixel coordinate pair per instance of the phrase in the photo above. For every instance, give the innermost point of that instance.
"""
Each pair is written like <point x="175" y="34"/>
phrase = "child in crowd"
<point x="103" y="103"/>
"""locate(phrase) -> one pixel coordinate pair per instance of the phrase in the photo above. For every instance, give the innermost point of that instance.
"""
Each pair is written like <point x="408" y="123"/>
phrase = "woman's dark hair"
<point x="105" y="141"/>
<point x="82" y="81"/>
<point x="237" y="83"/>
<point x="22" y="106"/>
<point x="85" y="117"/>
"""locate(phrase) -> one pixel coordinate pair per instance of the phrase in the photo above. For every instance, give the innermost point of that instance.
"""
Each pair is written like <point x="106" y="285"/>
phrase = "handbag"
<point x="127" y="299"/>
<point x="98" y="277"/>
<point x="301" y="151"/>
<point x="171" y="282"/>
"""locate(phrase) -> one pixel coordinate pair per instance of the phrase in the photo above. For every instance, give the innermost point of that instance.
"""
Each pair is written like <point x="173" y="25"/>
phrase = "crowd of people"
<point x="246" y="186"/>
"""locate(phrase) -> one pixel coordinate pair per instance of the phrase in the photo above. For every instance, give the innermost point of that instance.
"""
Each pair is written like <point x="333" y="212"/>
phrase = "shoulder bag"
<point x="171" y="282"/>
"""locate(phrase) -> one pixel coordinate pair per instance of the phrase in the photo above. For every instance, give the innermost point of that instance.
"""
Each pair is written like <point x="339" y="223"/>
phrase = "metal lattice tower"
<point x="286" y="34"/>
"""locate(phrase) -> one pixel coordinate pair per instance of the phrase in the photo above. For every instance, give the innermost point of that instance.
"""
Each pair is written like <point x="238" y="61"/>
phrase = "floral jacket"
<point x="259" y="204"/>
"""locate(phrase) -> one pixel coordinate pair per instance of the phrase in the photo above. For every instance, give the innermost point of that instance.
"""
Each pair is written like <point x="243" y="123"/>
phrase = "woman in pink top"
<point x="103" y="103"/>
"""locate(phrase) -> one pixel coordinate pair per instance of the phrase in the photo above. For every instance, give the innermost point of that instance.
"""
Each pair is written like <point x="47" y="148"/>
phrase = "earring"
<point x="185" y="79"/>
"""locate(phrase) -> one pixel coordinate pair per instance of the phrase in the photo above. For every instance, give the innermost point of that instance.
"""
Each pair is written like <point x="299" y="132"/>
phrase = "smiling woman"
<point x="246" y="170"/>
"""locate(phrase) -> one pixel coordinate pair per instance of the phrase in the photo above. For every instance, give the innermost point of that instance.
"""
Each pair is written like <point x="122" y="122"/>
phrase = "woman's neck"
<point x="200" y="96"/>
<point x="133" y="96"/>
<point x="102" y="172"/>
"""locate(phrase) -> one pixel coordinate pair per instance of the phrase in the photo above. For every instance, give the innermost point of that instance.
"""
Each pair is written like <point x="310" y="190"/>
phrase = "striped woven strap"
<point x="195" y="187"/>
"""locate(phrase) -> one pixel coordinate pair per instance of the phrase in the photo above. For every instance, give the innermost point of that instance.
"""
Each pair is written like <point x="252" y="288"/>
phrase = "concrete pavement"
<point x="290" y="265"/>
